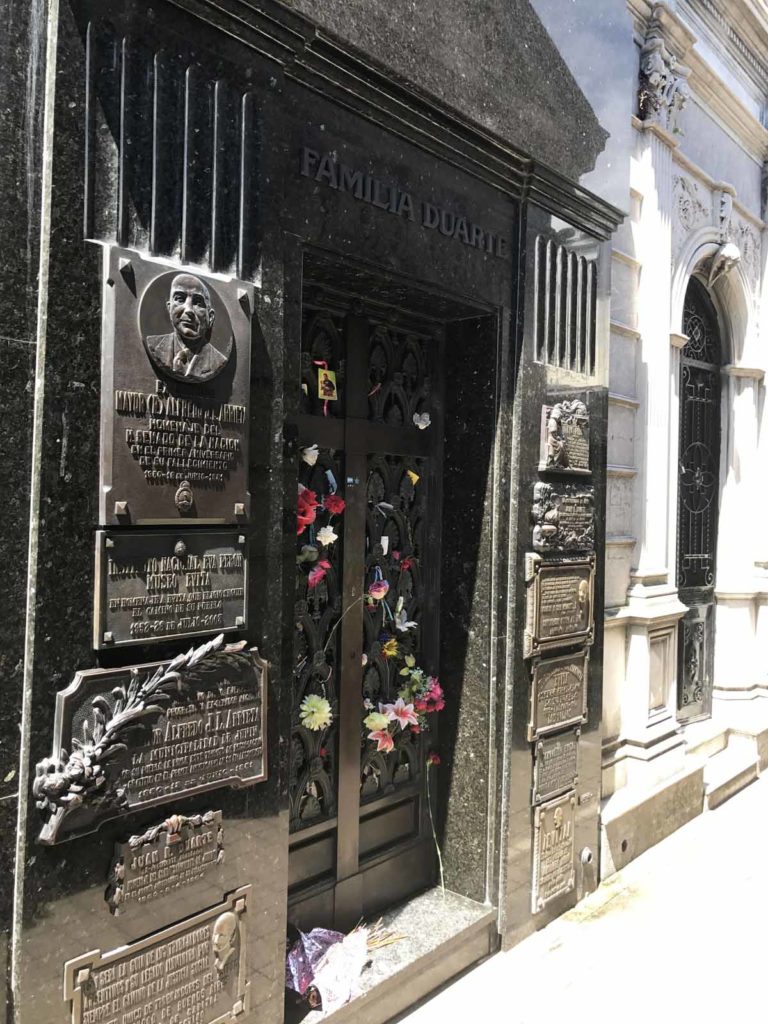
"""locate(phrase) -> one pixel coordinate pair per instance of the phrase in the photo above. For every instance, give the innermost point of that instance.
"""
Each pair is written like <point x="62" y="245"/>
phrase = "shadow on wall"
<point x="493" y="60"/>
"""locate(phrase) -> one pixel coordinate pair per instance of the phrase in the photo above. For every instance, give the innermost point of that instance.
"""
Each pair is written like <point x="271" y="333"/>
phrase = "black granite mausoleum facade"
<point x="360" y="267"/>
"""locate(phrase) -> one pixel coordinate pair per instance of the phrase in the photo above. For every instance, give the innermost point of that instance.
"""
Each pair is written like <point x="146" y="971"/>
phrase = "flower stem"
<point x="434" y="835"/>
<point x="338" y="621"/>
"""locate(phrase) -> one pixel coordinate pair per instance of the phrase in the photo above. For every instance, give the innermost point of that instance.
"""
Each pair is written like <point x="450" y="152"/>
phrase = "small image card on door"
<point x="326" y="385"/>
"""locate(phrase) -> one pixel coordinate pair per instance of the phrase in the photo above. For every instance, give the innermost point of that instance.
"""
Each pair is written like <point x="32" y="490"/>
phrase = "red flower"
<point x="306" y="509"/>
<point x="323" y="751"/>
<point x="433" y="758"/>
<point x="416" y="729"/>
<point x="406" y="564"/>
<point x="318" y="573"/>
<point x="334" y="504"/>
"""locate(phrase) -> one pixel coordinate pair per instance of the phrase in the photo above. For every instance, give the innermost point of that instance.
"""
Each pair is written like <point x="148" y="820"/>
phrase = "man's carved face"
<point x="190" y="308"/>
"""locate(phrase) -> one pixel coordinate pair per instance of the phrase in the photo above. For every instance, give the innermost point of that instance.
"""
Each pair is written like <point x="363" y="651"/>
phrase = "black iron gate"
<point x="699" y="479"/>
<point x="367" y="607"/>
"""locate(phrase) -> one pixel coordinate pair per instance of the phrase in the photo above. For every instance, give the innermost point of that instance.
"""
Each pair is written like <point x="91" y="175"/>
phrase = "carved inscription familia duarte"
<point x="558" y="693"/>
<point x="556" y="765"/>
<point x="559" y="603"/>
<point x="553" y="851"/>
<point x="156" y="586"/>
<point x="167" y="857"/>
<point x="388" y="196"/>
<point x="194" y="972"/>
<point x="135" y="737"/>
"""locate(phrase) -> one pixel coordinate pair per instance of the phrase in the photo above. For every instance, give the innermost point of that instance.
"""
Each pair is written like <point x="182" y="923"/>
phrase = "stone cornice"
<point x="351" y="79"/>
<point x="710" y="90"/>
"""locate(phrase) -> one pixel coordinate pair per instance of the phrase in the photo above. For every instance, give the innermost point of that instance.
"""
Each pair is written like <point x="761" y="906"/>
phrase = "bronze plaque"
<point x="174" y="391"/>
<point x="194" y="972"/>
<point x="565" y="438"/>
<point x="558" y="693"/>
<point x="154" y="586"/>
<point x="130" y="738"/>
<point x="563" y="517"/>
<point x="165" y="858"/>
<point x="554" y="868"/>
<point x="555" y="766"/>
<point x="559" y="596"/>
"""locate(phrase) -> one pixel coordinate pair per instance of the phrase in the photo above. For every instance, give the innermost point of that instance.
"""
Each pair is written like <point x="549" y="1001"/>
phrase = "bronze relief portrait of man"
<point x="190" y="351"/>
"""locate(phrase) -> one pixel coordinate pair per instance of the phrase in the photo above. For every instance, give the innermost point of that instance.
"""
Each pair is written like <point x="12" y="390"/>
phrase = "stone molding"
<point x="705" y="85"/>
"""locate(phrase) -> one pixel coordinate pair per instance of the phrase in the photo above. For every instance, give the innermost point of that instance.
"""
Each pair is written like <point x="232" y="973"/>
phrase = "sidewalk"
<point x="678" y="935"/>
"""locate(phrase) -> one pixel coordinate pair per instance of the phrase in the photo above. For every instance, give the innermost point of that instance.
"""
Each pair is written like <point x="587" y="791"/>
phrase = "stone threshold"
<point x="444" y="936"/>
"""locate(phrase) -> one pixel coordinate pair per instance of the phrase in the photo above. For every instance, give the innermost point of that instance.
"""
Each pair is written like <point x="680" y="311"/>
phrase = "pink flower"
<point x="406" y="564"/>
<point x="378" y="590"/>
<point x="400" y="712"/>
<point x="318" y="573"/>
<point x="383" y="740"/>
<point x="416" y="729"/>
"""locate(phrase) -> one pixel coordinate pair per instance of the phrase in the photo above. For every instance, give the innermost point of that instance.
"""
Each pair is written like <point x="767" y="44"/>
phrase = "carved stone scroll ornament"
<point x="96" y="780"/>
<point x="723" y="262"/>
<point x="664" y="89"/>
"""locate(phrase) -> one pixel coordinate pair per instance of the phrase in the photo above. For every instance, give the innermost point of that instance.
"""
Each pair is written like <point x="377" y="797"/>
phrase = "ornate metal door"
<point x="699" y="478"/>
<point x="367" y="606"/>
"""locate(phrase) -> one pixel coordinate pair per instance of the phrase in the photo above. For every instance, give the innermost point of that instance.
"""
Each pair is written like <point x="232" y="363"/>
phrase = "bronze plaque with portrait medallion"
<point x="174" y="392"/>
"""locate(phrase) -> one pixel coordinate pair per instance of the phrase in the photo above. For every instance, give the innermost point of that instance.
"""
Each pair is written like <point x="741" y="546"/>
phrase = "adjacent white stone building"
<point x="686" y="637"/>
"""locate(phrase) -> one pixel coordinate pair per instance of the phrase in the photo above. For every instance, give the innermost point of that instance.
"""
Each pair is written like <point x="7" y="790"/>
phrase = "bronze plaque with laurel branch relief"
<point x="130" y="738"/>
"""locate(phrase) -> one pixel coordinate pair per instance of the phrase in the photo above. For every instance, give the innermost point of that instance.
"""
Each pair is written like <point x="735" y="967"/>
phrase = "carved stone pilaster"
<point x="664" y="89"/>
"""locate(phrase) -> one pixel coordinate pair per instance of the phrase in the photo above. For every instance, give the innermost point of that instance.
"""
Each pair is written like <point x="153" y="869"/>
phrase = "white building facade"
<point x="686" y="617"/>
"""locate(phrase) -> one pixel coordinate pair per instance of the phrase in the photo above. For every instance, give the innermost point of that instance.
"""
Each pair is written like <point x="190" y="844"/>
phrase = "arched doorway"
<point x="698" y="499"/>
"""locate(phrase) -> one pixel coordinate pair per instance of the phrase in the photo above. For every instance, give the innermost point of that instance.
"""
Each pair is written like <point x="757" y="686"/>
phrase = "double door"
<point x="367" y="606"/>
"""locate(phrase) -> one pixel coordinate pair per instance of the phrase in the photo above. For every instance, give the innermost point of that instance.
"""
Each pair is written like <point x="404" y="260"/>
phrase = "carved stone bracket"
<point x="664" y="89"/>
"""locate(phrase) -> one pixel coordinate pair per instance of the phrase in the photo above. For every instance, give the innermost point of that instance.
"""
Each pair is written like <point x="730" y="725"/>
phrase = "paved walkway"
<point x="678" y="936"/>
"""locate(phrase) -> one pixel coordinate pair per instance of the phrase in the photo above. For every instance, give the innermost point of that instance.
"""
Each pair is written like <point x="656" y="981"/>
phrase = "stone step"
<point x="730" y="771"/>
<point x="705" y="739"/>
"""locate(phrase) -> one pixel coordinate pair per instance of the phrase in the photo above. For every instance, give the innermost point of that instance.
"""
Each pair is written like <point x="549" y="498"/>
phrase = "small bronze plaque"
<point x="554" y="869"/>
<point x="563" y="517"/>
<point x="558" y="693"/>
<point x="174" y="392"/>
<point x="165" y="858"/>
<point x="130" y="738"/>
<point x="163" y="586"/>
<point x="559" y="603"/>
<point x="555" y="765"/>
<point x="565" y="438"/>
<point x="194" y="972"/>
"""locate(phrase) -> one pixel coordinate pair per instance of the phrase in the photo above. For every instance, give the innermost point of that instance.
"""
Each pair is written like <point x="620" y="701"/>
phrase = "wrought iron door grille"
<point x="699" y="442"/>
<point x="698" y="489"/>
